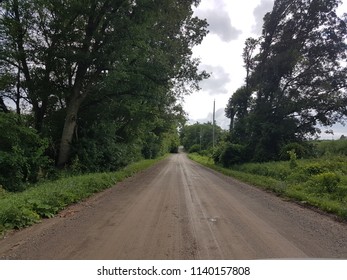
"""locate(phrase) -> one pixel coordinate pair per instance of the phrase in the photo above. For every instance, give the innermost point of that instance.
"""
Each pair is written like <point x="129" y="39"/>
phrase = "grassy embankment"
<point x="320" y="182"/>
<point x="44" y="200"/>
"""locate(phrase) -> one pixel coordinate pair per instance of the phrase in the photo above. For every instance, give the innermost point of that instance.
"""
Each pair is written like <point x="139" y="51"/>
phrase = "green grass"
<point x="18" y="210"/>
<point x="320" y="182"/>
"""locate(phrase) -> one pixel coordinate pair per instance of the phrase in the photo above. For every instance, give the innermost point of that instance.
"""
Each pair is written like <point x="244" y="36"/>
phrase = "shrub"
<point x="297" y="176"/>
<point x="14" y="214"/>
<point x="292" y="159"/>
<point x="195" y="148"/>
<point x="229" y="154"/>
<point x="297" y="148"/>
<point x="313" y="169"/>
<point x="206" y="153"/>
<point x="216" y="153"/>
<point x="325" y="182"/>
<point x="21" y="153"/>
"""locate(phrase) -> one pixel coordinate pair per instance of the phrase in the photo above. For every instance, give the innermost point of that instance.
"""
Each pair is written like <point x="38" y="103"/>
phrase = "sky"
<point x="231" y="22"/>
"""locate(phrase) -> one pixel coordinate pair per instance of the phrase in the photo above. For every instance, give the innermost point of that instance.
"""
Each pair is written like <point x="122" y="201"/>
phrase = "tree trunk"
<point x="69" y="129"/>
<point x="18" y="96"/>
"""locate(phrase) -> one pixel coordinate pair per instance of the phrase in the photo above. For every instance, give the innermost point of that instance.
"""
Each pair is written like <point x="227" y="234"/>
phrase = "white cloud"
<point x="217" y="83"/>
<point x="218" y="17"/>
<point x="259" y="12"/>
<point x="220" y="24"/>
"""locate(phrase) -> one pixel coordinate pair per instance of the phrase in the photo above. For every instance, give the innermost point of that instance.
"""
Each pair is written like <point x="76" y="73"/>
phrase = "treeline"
<point x="199" y="137"/>
<point x="92" y="85"/>
<point x="211" y="141"/>
<point x="295" y="81"/>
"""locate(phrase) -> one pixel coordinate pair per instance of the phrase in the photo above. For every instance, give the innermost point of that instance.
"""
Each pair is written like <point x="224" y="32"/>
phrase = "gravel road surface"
<point x="178" y="209"/>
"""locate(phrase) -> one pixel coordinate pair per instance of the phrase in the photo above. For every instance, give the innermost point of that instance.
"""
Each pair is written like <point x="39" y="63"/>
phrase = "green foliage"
<point x="155" y="146"/>
<point x="292" y="159"/>
<point x="196" y="148"/>
<point x="328" y="147"/>
<point x="22" y="153"/>
<point x="276" y="170"/>
<point x="45" y="200"/>
<point x="200" y="135"/>
<point x="299" y="149"/>
<point x="229" y="154"/>
<point x="3" y="192"/>
<point x="218" y="150"/>
<point x="14" y="214"/>
<point x="325" y="182"/>
<point x="237" y="111"/>
<point x="294" y="81"/>
<point x="125" y="132"/>
<point x="314" y="168"/>
<point x="205" y="160"/>
<point x="102" y="153"/>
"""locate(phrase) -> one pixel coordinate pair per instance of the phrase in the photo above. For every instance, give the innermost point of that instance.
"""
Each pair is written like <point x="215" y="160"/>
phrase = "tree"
<point x="200" y="135"/>
<point x="114" y="132"/>
<point x="248" y="59"/>
<point x="78" y="48"/>
<point x="238" y="105"/>
<point x="237" y="110"/>
<point x="299" y="79"/>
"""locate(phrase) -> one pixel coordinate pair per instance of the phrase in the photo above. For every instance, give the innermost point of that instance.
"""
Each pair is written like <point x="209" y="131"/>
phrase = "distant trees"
<point x="296" y="78"/>
<point x="99" y="78"/>
<point x="199" y="136"/>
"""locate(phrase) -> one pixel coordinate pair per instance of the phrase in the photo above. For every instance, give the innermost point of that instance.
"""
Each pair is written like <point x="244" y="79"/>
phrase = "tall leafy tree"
<point x="299" y="80"/>
<point x="239" y="103"/>
<point x="248" y="58"/>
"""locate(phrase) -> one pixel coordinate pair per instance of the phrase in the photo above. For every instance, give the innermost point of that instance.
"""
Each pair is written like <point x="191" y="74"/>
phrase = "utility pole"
<point x="213" y="122"/>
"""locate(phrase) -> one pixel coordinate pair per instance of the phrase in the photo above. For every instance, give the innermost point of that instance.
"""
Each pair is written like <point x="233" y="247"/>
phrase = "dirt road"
<point x="180" y="210"/>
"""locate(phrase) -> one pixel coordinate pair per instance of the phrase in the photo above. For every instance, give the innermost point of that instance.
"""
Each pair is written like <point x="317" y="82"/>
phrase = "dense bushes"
<point x="326" y="182"/>
<point x="22" y="153"/>
<point x="99" y="149"/>
<point x="99" y="146"/>
<point x="229" y="154"/>
<point x="297" y="148"/>
<point x="196" y="148"/>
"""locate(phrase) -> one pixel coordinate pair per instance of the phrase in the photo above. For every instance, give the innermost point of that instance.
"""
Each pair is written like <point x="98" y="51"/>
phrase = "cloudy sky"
<point x="231" y="22"/>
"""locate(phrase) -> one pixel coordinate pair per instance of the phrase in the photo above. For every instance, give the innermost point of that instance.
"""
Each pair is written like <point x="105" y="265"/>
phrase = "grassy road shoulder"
<point x="18" y="210"/>
<point x="321" y="182"/>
